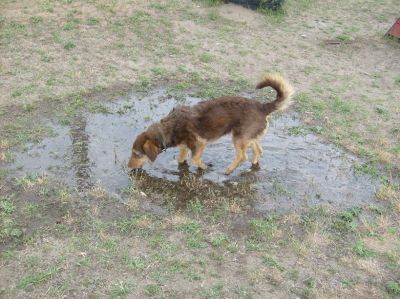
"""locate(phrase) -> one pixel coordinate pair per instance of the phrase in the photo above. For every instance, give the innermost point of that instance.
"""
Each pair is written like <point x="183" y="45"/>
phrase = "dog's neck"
<point x="162" y="138"/>
<point x="160" y="135"/>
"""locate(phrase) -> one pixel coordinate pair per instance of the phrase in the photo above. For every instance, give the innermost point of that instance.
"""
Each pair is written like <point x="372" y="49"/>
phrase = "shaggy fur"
<point x="191" y="128"/>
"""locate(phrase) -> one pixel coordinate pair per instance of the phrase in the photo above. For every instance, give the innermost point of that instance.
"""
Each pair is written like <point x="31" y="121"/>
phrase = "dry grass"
<point x="390" y="194"/>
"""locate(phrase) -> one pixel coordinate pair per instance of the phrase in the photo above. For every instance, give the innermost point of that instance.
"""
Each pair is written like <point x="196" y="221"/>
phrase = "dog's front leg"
<point x="183" y="153"/>
<point x="197" y="152"/>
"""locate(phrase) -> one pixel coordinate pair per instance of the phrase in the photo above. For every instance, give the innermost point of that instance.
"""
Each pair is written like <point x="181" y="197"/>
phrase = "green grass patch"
<point x="68" y="45"/>
<point x="264" y="228"/>
<point x="272" y="262"/>
<point x="362" y="251"/>
<point x="92" y="21"/>
<point x="341" y="106"/>
<point x="8" y="227"/>
<point x="219" y="240"/>
<point x="346" y="221"/>
<point x="120" y="290"/>
<point x="393" y="288"/>
<point x="36" y="278"/>
<point x="153" y="290"/>
<point x="216" y="290"/>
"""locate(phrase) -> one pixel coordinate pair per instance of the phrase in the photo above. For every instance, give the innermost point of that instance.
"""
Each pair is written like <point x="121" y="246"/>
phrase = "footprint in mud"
<point x="295" y="171"/>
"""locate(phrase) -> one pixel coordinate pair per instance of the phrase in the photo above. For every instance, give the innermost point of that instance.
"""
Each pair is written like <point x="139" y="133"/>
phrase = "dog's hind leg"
<point x="257" y="151"/>
<point x="241" y="155"/>
<point x="183" y="153"/>
<point x="197" y="152"/>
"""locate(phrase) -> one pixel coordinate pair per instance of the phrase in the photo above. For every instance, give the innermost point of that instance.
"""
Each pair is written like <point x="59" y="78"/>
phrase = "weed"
<point x="205" y="57"/>
<point x="279" y="189"/>
<point x="264" y="228"/>
<point x="396" y="149"/>
<point x="272" y="262"/>
<point x="196" y="206"/>
<point x="69" y="45"/>
<point x="213" y="291"/>
<point x="153" y="290"/>
<point x="218" y="239"/>
<point x="6" y="206"/>
<point x="244" y="291"/>
<point x="190" y="228"/>
<point x="344" y="37"/>
<point x="297" y="131"/>
<point x="70" y="26"/>
<point x="339" y="105"/>
<point x="362" y="251"/>
<point x="346" y="221"/>
<point x="92" y="21"/>
<point x="36" y="19"/>
<point x="135" y="263"/>
<point x="195" y="241"/>
<point x="213" y="2"/>
<point x="8" y="228"/>
<point x="393" y="288"/>
<point x="120" y="289"/>
<point x="36" y="278"/>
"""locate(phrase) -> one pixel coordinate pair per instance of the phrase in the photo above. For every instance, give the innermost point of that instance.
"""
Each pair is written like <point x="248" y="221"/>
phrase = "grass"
<point x="35" y="278"/>
<point x="362" y="251"/>
<point x="120" y="290"/>
<point x="264" y="228"/>
<point x="393" y="288"/>
<point x="212" y="291"/>
<point x="59" y="60"/>
<point x="272" y="262"/>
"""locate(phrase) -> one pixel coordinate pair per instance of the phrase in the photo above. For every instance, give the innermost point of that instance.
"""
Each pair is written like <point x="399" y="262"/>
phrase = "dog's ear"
<point x="151" y="150"/>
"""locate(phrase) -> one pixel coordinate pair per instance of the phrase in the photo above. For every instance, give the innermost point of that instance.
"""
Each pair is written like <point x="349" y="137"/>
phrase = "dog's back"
<point x="215" y="118"/>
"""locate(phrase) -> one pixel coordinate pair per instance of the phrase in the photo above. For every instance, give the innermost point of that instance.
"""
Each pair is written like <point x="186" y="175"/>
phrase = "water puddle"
<point x="296" y="171"/>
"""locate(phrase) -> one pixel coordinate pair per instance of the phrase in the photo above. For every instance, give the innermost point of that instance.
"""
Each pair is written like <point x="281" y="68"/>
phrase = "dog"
<point x="192" y="128"/>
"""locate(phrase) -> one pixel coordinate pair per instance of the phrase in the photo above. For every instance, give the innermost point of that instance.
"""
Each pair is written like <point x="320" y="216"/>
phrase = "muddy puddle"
<point x="296" y="172"/>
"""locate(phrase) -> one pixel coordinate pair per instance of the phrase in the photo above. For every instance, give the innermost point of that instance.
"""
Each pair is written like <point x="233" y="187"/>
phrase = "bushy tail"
<point x="284" y="92"/>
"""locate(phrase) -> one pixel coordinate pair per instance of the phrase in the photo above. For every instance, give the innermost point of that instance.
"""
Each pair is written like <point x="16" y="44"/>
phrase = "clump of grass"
<point x="272" y="262"/>
<point x="36" y="278"/>
<point x="393" y="288"/>
<point x="36" y="19"/>
<point x="264" y="228"/>
<point x="213" y="291"/>
<point x="69" y="45"/>
<point x="362" y="251"/>
<point x="92" y="21"/>
<point x="120" y="289"/>
<point x="344" y="37"/>
<point x="347" y="220"/>
<point x="218" y="239"/>
<point x="391" y="194"/>
<point x="213" y="2"/>
<point x="153" y="290"/>
<point x="338" y="105"/>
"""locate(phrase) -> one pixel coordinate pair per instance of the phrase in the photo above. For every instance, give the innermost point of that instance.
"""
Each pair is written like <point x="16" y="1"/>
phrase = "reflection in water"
<point x="191" y="186"/>
<point x="80" y="153"/>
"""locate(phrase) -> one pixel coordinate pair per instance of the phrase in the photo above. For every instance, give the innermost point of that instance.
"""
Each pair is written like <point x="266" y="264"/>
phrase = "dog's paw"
<point x="228" y="171"/>
<point x="202" y="166"/>
<point x="255" y="166"/>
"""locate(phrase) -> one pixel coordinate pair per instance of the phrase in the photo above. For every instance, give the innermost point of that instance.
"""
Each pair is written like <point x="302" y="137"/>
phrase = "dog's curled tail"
<point x="283" y="89"/>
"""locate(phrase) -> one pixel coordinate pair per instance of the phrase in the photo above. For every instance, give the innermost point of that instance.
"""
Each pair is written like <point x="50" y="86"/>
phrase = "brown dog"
<point x="192" y="128"/>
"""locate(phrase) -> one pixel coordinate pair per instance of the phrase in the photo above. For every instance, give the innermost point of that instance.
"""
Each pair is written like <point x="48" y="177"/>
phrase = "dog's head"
<point x="144" y="149"/>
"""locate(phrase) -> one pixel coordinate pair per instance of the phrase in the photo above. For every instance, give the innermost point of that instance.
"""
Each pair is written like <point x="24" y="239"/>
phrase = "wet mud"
<point x="296" y="171"/>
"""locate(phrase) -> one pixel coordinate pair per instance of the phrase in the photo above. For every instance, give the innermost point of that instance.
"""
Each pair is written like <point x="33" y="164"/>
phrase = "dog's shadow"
<point x="193" y="186"/>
